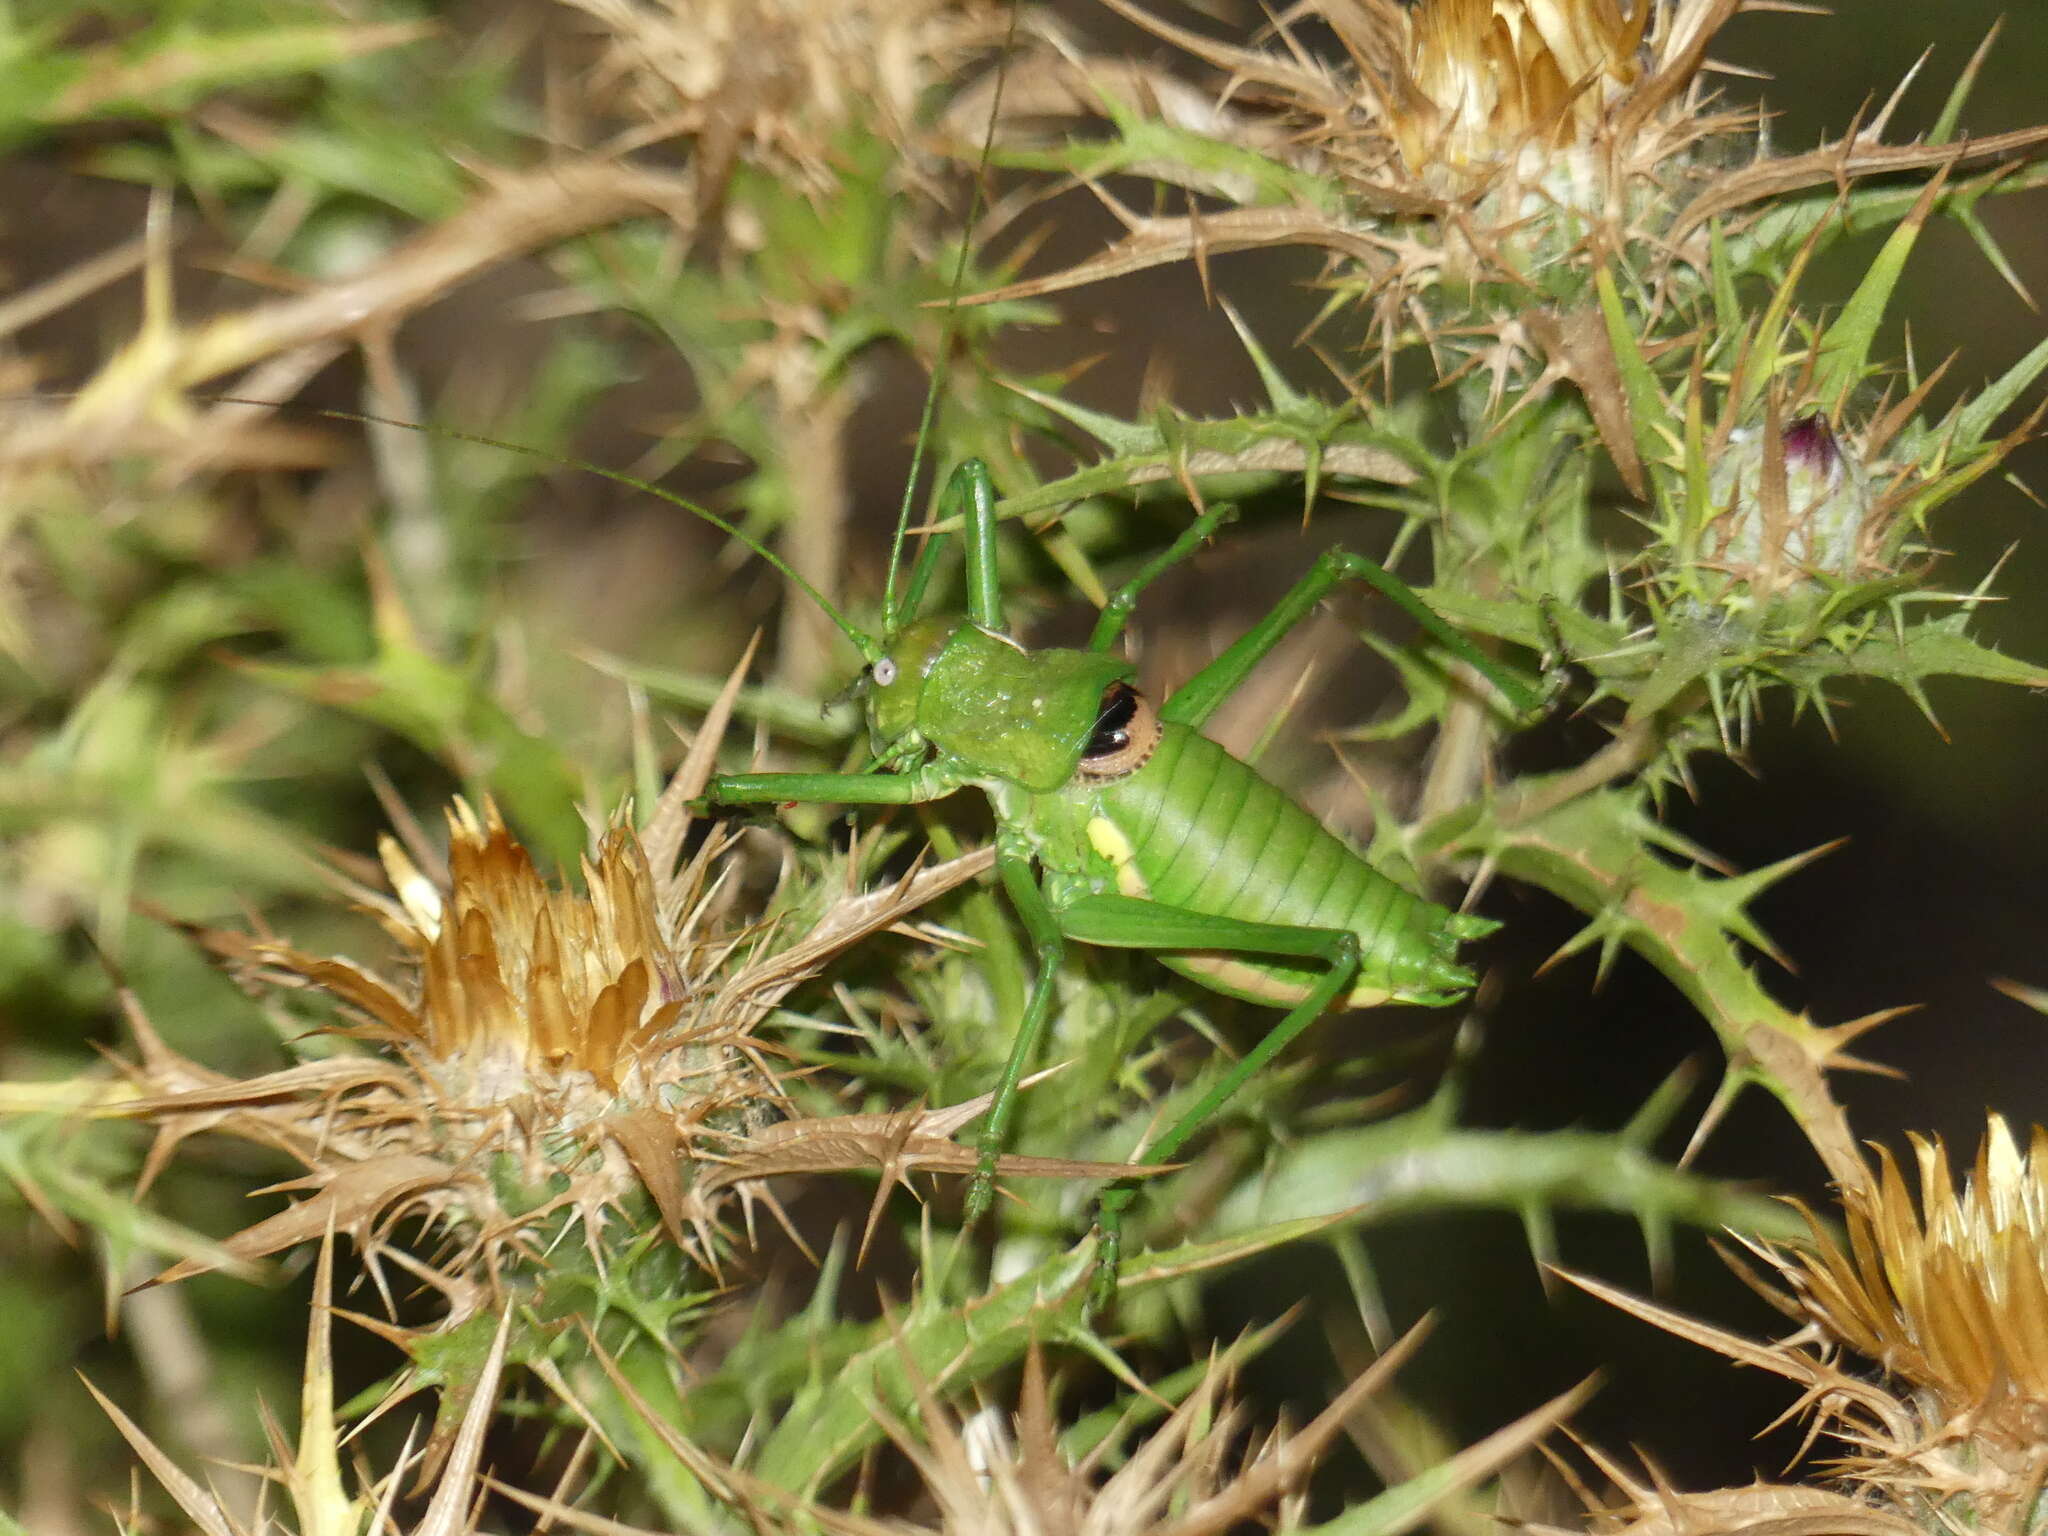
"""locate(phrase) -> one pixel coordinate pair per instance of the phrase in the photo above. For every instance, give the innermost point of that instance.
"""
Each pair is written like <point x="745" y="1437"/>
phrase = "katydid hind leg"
<point x="970" y="496"/>
<point x="1130" y="923"/>
<point x="1198" y="698"/>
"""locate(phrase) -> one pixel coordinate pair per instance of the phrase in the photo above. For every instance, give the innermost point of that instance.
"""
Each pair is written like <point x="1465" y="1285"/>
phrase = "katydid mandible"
<point x="1119" y="824"/>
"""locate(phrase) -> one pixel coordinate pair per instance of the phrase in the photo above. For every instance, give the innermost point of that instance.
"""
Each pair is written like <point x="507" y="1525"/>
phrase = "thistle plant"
<point x="407" y="884"/>
<point x="1939" y="1288"/>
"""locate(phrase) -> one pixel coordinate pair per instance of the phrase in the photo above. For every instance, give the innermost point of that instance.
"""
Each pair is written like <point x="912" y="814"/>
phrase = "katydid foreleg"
<point x="1041" y="926"/>
<point x="927" y="781"/>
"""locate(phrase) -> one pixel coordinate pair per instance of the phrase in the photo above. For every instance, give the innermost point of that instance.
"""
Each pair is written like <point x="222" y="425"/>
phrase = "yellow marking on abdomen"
<point x="1108" y="840"/>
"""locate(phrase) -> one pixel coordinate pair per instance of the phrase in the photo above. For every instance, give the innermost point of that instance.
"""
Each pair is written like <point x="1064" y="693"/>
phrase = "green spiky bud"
<point x="1785" y="518"/>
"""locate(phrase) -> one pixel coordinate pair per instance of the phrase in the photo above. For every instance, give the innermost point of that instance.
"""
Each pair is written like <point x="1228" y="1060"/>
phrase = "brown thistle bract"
<point x="1201" y="1471"/>
<point x="308" y="1464"/>
<point x="1948" y="1295"/>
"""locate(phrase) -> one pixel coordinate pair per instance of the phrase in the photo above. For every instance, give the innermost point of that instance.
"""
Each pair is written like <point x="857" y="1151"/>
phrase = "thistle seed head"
<point x="1466" y="159"/>
<point x="1948" y="1294"/>
<point x="1521" y="143"/>
<point x="1475" y="85"/>
<point x="521" y="990"/>
<point x="1473" y="171"/>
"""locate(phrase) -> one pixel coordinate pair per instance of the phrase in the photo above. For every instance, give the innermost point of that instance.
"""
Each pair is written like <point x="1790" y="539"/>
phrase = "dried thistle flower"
<point x="552" y="1059"/>
<point x="1461" y="142"/>
<point x="1504" y="104"/>
<point x="1468" y="162"/>
<point x="527" y="990"/>
<point x="779" y="82"/>
<point x="1948" y="1295"/>
<point x="552" y="1034"/>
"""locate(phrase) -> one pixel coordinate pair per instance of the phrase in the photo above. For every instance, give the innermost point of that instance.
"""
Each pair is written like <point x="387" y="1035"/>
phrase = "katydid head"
<point x="991" y="708"/>
<point x="929" y="664"/>
<point x="896" y="683"/>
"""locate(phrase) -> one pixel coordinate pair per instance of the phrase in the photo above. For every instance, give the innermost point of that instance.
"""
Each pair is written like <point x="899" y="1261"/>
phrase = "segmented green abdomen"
<point x="1208" y="834"/>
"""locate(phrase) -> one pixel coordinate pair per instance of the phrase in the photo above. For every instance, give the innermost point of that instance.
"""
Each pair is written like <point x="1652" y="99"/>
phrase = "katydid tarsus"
<point x="1119" y="824"/>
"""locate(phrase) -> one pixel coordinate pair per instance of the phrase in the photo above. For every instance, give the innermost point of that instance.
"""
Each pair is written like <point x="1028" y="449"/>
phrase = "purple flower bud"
<point x="1769" y="551"/>
<point x="1810" y="448"/>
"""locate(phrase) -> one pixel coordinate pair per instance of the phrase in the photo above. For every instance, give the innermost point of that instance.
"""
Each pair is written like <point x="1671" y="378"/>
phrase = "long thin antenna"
<point x="941" y="365"/>
<point x="863" y="643"/>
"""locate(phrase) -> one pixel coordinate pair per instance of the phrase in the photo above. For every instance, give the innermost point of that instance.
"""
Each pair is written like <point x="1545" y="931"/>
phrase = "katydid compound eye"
<point x="1126" y="731"/>
<point x="885" y="672"/>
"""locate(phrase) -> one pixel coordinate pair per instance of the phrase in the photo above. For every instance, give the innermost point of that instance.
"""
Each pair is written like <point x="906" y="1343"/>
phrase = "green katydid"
<point x="1119" y="824"/>
<point x="1145" y="834"/>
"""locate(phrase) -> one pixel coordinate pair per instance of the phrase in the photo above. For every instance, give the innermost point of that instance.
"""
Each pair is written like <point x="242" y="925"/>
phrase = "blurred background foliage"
<point x="214" y="617"/>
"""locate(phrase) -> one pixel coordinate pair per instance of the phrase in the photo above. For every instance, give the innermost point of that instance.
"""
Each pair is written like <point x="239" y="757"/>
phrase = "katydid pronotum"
<point x="1119" y="824"/>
